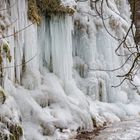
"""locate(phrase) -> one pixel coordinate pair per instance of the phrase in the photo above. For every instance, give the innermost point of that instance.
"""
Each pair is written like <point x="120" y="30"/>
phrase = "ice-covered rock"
<point x="60" y="77"/>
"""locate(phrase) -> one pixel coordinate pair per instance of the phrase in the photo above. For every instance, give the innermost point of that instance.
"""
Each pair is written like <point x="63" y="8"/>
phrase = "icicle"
<point x="61" y="29"/>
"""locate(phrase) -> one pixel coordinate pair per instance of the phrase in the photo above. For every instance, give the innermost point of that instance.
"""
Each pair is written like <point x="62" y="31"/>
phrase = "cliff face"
<point x="135" y="6"/>
<point x="60" y="75"/>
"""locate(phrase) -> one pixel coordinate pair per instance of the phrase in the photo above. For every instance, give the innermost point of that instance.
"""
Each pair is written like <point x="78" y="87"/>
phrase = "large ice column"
<point x="61" y="49"/>
<point x="44" y="44"/>
<point x="18" y="23"/>
<point x="57" y="54"/>
<point x="55" y="40"/>
<point x="61" y="35"/>
<point x="108" y="60"/>
<point x="23" y="41"/>
<point x="31" y="44"/>
<point x="31" y="48"/>
<point x="31" y="76"/>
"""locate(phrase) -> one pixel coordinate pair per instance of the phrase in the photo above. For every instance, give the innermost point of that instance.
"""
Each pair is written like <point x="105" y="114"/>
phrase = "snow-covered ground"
<point x="125" y="130"/>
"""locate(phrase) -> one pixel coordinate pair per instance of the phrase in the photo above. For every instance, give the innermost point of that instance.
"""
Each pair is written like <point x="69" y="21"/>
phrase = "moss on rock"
<point x="13" y="131"/>
<point x="33" y="12"/>
<point x="2" y="96"/>
<point x="5" y="48"/>
<point x="36" y="9"/>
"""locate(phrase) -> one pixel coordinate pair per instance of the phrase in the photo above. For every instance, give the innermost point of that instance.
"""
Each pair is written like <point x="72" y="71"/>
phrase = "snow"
<point x="126" y="130"/>
<point x="70" y="3"/>
<point x="65" y="85"/>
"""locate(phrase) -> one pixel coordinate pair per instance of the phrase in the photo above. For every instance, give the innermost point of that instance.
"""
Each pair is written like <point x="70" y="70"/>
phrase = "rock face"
<point x="135" y="8"/>
<point x="60" y="77"/>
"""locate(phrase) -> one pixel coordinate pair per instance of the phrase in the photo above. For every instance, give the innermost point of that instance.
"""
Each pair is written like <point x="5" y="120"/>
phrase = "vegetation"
<point x="36" y="9"/>
<point x="4" y="48"/>
<point x="4" y="54"/>
<point x="2" y="96"/>
<point x="15" y="131"/>
<point x="33" y="11"/>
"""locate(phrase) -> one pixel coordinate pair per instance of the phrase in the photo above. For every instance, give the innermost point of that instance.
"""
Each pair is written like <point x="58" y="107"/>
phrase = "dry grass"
<point x="37" y="8"/>
<point x="33" y="11"/>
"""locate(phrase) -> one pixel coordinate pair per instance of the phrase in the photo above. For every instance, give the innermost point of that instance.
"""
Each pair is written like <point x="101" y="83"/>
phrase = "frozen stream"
<point x="125" y="130"/>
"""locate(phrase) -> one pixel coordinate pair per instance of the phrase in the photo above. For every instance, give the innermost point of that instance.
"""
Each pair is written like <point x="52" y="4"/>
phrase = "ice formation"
<point x="56" y="82"/>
